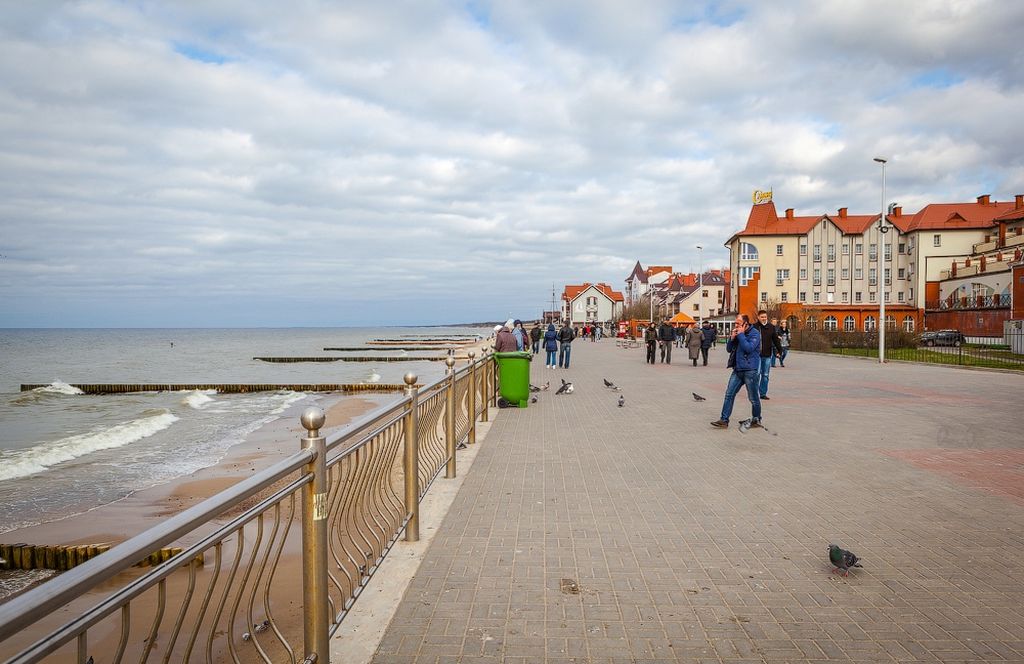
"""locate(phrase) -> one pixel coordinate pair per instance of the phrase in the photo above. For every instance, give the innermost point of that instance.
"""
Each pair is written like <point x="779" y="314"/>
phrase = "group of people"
<point x="698" y="340"/>
<point x="753" y="350"/>
<point x="512" y="336"/>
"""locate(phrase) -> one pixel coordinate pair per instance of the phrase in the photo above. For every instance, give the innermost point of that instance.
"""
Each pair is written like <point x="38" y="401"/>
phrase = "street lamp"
<point x="700" y="285"/>
<point x="882" y="230"/>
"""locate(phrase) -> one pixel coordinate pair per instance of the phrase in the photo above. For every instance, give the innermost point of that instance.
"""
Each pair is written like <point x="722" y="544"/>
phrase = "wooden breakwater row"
<point x="437" y="358"/>
<point x="420" y="342"/>
<point x="389" y="348"/>
<point x="59" y="557"/>
<point x="226" y="388"/>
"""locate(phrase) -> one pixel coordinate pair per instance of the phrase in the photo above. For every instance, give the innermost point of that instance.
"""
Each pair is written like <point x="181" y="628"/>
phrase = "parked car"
<point x="942" y="338"/>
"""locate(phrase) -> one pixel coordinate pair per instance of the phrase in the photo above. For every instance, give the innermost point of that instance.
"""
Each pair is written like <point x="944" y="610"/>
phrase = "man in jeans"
<point x="744" y="348"/>
<point x="565" y="337"/>
<point x="769" y="345"/>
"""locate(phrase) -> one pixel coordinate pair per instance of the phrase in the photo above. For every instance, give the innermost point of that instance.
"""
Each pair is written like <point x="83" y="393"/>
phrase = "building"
<point x="640" y="281"/>
<point x="591" y="303"/>
<point x="698" y="296"/>
<point x="823" y="270"/>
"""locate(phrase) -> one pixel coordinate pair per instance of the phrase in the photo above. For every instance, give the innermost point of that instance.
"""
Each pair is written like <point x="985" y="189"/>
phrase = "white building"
<point x="591" y="303"/>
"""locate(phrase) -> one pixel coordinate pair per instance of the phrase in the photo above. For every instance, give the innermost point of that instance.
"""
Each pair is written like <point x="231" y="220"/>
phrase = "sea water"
<point x="64" y="453"/>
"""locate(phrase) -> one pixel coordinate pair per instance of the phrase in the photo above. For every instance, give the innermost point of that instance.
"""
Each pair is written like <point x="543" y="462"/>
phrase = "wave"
<point x="288" y="398"/>
<point x="58" y="387"/>
<point x="46" y="455"/>
<point x="199" y="399"/>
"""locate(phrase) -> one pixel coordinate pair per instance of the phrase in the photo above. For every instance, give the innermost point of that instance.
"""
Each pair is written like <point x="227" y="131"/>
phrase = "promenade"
<point x="585" y="532"/>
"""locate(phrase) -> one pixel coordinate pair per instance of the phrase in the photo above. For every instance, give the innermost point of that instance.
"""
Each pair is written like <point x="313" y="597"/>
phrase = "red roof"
<point x="572" y="292"/>
<point x="952" y="216"/>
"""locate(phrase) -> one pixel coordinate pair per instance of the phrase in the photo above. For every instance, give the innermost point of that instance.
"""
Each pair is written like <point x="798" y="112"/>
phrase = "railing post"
<point x="412" y="463"/>
<point x="315" y="607"/>
<point x="449" y="418"/>
<point x="471" y="405"/>
<point x="485" y="397"/>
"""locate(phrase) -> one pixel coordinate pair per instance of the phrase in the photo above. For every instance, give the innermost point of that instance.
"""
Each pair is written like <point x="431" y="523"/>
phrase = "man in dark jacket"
<point x="565" y="337"/>
<point x="535" y="335"/>
<point x="708" y="335"/>
<point x="651" y="339"/>
<point x="666" y="337"/>
<point x="770" y="343"/>
<point x="744" y="358"/>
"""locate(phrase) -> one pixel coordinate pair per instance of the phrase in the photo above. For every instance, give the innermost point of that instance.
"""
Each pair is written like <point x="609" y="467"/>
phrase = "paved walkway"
<point x="589" y="533"/>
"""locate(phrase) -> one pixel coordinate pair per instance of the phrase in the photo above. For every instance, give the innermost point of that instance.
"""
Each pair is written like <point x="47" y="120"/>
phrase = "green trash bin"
<point x="514" y="377"/>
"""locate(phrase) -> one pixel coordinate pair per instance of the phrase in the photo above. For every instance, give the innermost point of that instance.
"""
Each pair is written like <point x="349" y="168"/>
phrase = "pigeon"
<point x="533" y="399"/>
<point x="545" y="386"/>
<point x="608" y="383"/>
<point x="697" y="397"/>
<point x="566" y="388"/>
<point x="622" y="401"/>
<point x="842" y="559"/>
<point x="534" y="388"/>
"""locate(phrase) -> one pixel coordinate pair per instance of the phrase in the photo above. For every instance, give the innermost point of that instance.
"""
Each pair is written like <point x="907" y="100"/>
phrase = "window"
<point x="764" y="296"/>
<point x="858" y="248"/>
<point x="899" y="296"/>
<point x="937" y="240"/>
<point x="858" y="273"/>
<point x="872" y="276"/>
<point x="908" y="323"/>
<point x="910" y="294"/>
<point x="849" y="324"/>
<point x="778" y="250"/>
<point x="890" y="322"/>
<point x="902" y="248"/>
<point x="817" y="252"/>
<point x="781" y="276"/>
<point x="817" y="276"/>
<point x="831" y="276"/>
<point x="784" y="296"/>
<point x="831" y="252"/>
<point x="748" y="252"/>
<point x="803" y="249"/>
<point x="830" y="324"/>
<point x="870" y="323"/>
<point x="747" y="273"/>
<point x="812" y="323"/>
<point x="888" y="296"/>
<point x="858" y="297"/>
<point x="902" y="273"/>
<point x="696" y="307"/>
<point x="873" y="252"/>
<point x="846" y="273"/>
<point x="846" y="248"/>
<point x="888" y="276"/>
<point x="846" y="297"/>
<point x="871" y="296"/>
<point x="803" y="274"/>
<point x="817" y="296"/>
<point x="888" y="252"/>
<point x="803" y="296"/>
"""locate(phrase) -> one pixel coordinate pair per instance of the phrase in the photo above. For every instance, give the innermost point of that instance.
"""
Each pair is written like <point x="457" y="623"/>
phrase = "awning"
<point x="681" y="318"/>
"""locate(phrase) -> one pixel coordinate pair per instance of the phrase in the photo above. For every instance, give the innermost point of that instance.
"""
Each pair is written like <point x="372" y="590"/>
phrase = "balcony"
<point x="971" y="302"/>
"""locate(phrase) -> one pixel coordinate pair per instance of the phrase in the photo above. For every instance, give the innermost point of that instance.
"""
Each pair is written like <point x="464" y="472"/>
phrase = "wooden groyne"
<point x="382" y="358"/>
<point x="421" y="342"/>
<point x="381" y="350"/>
<point x="226" y="388"/>
<point x="59" y="557"/>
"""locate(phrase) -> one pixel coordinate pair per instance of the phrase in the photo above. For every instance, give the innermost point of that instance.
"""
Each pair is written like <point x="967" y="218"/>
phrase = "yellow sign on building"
<point x="762" y="197"/>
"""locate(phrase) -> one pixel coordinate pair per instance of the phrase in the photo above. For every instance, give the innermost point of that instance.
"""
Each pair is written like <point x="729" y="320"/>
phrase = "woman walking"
<point x="694" y="339"/>
<point x="782" y="329"/>
<point x="551" y="346"/>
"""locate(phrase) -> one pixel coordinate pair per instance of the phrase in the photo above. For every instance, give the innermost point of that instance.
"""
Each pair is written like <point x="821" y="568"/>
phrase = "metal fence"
<point x="909" y="347"/>
<point x="271" y="566"/>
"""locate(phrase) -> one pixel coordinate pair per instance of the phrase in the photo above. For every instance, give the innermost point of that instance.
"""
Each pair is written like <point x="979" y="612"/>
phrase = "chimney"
<point x="842" y="213"/>
<point x="789" y="211"/>
<point x="1018" y="201"/>
<point x="983" y="199"/>
<point x="897" y="211"/>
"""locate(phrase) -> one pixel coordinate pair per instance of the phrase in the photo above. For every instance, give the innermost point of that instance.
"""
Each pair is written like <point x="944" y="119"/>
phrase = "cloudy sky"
<point x="249" y="163"/>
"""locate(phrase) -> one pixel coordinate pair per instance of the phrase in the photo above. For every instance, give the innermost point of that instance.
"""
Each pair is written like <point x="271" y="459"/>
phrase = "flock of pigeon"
<point x="841" y="559"/>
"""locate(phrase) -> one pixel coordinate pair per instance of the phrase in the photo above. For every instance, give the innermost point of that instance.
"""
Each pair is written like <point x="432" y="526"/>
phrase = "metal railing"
<point x="322" y="520"/>
<point x="999" y="301"/>
<point x="912" y="347"/>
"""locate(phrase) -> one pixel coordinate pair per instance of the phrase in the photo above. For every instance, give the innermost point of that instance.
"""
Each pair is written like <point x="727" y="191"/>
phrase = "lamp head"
<point x="881" y="160"/>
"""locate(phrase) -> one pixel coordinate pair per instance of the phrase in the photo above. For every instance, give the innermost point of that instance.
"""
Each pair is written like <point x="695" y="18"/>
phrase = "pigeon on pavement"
<point x="608" y="383"/>
<point x="545" y="386"/>
<point x="842" y="559"/>
<point x="697" y="397"/>
<point x="566" y="388"/>
<point x="534" y="388"/>
<point x="622" y="401"/>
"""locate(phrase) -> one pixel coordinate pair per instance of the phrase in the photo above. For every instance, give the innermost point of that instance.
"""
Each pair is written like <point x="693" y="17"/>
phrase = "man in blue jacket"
<point x="744" y="349"/>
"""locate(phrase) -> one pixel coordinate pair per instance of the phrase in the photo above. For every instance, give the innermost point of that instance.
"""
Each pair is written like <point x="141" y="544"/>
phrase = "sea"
<point x="64" y="453"/>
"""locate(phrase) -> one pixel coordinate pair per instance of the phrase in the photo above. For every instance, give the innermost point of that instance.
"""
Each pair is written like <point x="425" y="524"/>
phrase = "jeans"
<point x="536" y="346"/>
<point x="738" y="379"/>
<point x="666" y="352"/>
<point x="704" y="354"/>
<point x="551" y="358"/>
<point x="782" y="357"/>
<point x="650" y="351"/>
<point x="563" y="355"/>
<point x="766" y="365"/>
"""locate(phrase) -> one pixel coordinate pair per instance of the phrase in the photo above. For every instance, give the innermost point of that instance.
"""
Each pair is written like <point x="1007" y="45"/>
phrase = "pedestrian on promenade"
<point x="551" y="345"/>
<point x="707" y="340"/>
<point x="535" y="335"/>
<point x="651" y="339"/>
<point x="666" y="338"/>
<point x="505" y="342"/>
<point x="565" y="337"/>
<point x="769" y="345"/>
<point x="600" y="332"/>
<point x="694" y="340"/>
<point x="744" y="348"/>
<point x="784" y="340"/>
<point x="519" y="332"/>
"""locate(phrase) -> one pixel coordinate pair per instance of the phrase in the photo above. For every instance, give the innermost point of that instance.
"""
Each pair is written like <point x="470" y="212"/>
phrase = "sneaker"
<point x="721" y="424"/>
<point x="766" y="397"/>
<point x="755" y="424"/>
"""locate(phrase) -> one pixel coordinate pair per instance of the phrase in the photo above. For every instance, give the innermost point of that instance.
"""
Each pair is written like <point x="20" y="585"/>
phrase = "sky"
<point x="247" y="163"/>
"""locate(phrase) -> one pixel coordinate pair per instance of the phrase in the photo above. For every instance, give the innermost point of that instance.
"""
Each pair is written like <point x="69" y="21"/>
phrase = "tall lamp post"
<point x="700" y="285"/>
<point x="883" y="228"/>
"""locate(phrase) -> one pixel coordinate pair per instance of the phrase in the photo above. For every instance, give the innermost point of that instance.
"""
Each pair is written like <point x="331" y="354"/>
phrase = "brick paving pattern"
<point x="591" y="533"/>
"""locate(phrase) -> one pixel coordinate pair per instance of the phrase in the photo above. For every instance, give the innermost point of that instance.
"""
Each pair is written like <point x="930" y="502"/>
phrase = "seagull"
<point x="566" y="388"/>
<point x="697" y="397"/>
<point x="622" y="401"/>
<point x="842" y="559"/>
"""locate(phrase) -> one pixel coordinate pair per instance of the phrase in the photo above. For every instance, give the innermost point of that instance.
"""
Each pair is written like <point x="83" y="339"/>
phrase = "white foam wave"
<point x="58" y="387"/>
<point x="287" y="399"/>
<point x="46" y="455"/>
<point x="199" y="399"/>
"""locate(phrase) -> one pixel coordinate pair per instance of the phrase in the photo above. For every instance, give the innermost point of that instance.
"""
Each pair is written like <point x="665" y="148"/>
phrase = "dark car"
<point x="942" y="338"/>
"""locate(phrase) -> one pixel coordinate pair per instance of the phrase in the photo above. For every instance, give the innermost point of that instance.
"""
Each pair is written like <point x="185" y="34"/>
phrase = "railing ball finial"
<point x="449" y="361"/>
<point x="312" y="419"/>
<point x="410" y="379"/>
<point x="472" y="355"/>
